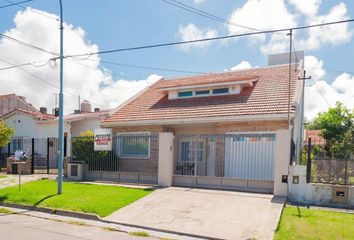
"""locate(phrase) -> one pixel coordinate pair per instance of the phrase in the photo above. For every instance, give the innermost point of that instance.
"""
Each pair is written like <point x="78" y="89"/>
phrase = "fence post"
<point x="308" y="163"/>
<point x="32" y="156"/>
<point x="346" y="169"/>
<point x="65" y="145"/>
<point x="165" y="164"/>
<point x="48" y="155"/>
<point x="9" y="149"/>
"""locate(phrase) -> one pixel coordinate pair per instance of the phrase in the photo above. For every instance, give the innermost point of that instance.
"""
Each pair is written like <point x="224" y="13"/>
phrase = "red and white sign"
<point x="103" y="139"/>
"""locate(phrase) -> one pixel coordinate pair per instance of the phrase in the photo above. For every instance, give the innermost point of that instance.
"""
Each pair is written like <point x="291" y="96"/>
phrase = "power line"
<point x="205" y="14"/>
<point x="329" y="105"/>
<point x="191" y="41"/>
<point x="34" y="11"/>
<point x="207" y="39"/>
<point x="15" y="3"/>
<point x="146" y="67"/>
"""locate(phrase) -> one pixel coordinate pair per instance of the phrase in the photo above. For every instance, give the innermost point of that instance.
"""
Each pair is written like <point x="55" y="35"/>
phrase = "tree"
<point x="337" y="128"/>
<point x="5" y="133"/>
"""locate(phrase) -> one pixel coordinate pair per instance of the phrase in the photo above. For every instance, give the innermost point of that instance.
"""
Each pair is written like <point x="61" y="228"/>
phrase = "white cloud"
<point x="261" y="15"/>
<point x="90" y="82"/>
<point x="314" y="68"/>
<point x="341" y="89"/>
<point x="241" y="65"/>
<point x="333" y="34"/>
<point x="306" y="7"/>
<point x="275" y="14"/>
<point x="192" y="32"/>
<point x="199" y="1"/>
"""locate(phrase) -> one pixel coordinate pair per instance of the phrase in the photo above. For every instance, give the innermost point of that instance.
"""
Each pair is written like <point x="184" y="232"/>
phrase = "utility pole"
<point x="79" y="103"/>
<point x="290" y="34"/>
<point x="61" y="108"/>
<point x="302" y="128"/>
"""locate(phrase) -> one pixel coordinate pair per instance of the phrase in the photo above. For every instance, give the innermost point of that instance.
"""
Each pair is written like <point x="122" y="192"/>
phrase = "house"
<point x="10" y="102"/>
<point x="223" y="124"/>
<point x="85" y="119"/>
<point x="43" y="128"/>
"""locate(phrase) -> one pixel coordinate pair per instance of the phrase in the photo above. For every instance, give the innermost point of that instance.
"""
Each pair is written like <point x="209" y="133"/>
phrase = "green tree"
<point x="5" y="133"/>
<point x="337" y="128"/>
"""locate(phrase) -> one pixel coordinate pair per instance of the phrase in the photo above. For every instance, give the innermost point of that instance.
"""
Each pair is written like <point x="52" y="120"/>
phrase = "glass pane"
<point x="185" y="94"/>
<point x="202" y="92"/>
<point x="135" y="146"/>
<point x="186" y="154"/>
<point x="220" y="90"/>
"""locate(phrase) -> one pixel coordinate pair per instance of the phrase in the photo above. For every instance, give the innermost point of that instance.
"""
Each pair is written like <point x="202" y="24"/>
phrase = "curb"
<point x="94" y="217"/>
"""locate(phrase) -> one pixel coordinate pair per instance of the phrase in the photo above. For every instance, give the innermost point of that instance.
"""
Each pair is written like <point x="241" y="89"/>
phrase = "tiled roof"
<point x="38" y="115"/>
<point x="79" y="116"/>
<point x="267" y="96"/>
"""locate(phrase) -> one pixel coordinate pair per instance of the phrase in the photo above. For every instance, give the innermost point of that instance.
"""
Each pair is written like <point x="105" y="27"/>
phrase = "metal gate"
<point x="240" y="161"/>
<point x="45" y="158"/>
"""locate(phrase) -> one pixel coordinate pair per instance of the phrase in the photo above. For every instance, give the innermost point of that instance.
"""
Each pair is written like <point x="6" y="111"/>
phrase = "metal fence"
<point x="43" y="152"/>
<point x="328" y="164"/>
<point x="131" y="153"/>
<point x="242" y="155"/>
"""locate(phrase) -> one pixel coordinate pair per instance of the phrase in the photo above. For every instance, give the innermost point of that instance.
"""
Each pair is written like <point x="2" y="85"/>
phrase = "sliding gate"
<point x="240" y="161"/>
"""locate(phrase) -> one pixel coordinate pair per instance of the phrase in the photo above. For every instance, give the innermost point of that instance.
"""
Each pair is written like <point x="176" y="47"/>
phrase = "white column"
<point x="282" y="161"/>
<point x="165" y="168"/>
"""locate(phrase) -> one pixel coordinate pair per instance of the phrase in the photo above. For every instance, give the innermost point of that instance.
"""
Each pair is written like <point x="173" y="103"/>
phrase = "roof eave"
<point x="197" y="120"/>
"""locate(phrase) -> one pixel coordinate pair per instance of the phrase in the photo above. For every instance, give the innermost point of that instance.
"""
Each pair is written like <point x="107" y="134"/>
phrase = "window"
<point x="187" y="151"/>
<point x="202" y="92"/>
<point x="185" y="94"/>
<point x="220" y="90"/>
<point x="135" y="145"/>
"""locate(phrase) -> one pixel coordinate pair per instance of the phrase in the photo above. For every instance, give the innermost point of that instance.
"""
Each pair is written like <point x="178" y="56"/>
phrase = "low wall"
<point x="317" y="193"/>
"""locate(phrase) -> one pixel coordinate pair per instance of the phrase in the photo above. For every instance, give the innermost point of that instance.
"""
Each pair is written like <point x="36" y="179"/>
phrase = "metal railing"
<point x="240" y="155"/>
<point x="131" y="152"/>
<point x="328" y="164"/>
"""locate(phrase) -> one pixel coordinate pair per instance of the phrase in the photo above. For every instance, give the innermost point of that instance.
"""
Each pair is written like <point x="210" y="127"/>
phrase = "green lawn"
<point x="310" y="224"/>
<point x="88" y="198"/>
<point x="2" y="176"/>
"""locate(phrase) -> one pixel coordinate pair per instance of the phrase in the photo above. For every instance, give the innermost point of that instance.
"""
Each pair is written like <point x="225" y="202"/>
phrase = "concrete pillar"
<point x="165" y="170"/>
<point x="282" y="161"/>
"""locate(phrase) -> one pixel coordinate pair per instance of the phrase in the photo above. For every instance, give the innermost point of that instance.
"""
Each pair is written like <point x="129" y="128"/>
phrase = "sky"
<point x="93" y="25"/>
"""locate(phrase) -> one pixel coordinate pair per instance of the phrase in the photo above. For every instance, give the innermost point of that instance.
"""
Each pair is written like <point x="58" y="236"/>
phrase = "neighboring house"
<point x="11" y="102"/>
<point x="80" y="122"/>
<point x="224" y="124"/>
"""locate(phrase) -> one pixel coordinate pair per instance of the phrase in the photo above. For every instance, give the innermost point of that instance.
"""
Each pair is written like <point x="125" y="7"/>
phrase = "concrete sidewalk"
<point x="211" y="213"/>
<point x="12" y="179"/>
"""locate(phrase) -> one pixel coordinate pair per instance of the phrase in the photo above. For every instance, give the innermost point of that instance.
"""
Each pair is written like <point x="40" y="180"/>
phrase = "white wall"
<point x="78" y="127"/>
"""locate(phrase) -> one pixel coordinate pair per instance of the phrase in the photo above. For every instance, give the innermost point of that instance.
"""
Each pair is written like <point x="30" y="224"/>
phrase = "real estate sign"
<point x="103" y="140"/>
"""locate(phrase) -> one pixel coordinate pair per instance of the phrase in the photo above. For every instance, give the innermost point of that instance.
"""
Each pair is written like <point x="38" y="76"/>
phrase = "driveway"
<point x="211" y="213"/>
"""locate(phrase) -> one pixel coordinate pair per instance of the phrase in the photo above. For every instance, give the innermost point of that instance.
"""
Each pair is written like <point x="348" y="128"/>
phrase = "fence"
<point x="131" y="153"/>
<point x="331" y="164"/>
<point x="245" y="156"/>
<point x="43" y="152"/>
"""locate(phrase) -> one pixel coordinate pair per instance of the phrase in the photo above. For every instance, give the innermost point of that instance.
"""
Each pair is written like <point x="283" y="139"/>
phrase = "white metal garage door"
<point x="250" y="156"/>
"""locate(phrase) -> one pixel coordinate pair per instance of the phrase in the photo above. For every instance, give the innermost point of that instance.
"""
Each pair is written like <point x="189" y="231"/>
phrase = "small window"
<point x="220" y="90"/>
<point x="185" y="94"/>
<point x="202" y="92"/>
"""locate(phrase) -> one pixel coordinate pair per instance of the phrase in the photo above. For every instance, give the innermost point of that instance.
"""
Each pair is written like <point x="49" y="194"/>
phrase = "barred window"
<point x="133" y="145"/>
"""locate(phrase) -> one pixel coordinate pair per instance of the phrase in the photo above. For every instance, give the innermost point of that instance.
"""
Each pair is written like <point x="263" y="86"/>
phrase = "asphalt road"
<point x="22" y="227"/>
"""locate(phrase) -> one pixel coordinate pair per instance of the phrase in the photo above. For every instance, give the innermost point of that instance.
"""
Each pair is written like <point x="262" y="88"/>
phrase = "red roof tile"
<point x="315" y="136"/>
<point x="35" y="114"/>
<point x="79" y="116"/>
<point x="267" y="96"/>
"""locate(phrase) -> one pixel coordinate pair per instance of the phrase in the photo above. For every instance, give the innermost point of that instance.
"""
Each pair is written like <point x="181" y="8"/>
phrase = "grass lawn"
<point x="302" y="223"/>
<point x="2" y="176"/>
<point x="88" y="198"/>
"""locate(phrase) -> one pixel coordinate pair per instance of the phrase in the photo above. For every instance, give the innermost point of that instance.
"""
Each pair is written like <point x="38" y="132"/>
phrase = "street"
<point x="18" y="226"/>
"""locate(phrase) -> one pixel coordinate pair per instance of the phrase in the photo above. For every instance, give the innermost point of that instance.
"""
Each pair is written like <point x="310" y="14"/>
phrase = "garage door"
<point x="250" y="156"/>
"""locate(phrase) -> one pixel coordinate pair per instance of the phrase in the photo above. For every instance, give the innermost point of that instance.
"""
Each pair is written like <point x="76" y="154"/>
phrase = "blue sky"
<point x="113" y="24"/>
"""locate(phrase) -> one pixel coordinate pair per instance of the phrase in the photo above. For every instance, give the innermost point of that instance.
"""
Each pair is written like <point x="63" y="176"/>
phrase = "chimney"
<point x="43" y="110"/>
<point x="76" y="111"/>
<point x="85" y="106"/>
<point x="97" y="109"/>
